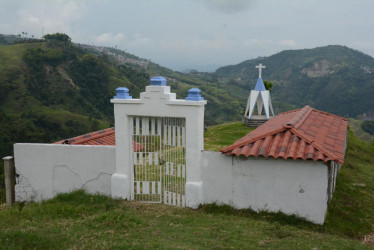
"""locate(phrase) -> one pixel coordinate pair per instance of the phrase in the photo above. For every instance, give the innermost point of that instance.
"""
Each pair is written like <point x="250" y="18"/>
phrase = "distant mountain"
<point x="53" y="89"/>
<point x="334" y="78"/>
<point x="222" y="105"/>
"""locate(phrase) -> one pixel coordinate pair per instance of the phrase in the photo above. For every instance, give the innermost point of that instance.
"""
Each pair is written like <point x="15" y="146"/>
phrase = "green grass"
<point x="79" y="220"/>
<point x="351" y="212"/>
<point x="356" y="128"/>
<point x="217" y="137"/>
<point x="12" y="55"/>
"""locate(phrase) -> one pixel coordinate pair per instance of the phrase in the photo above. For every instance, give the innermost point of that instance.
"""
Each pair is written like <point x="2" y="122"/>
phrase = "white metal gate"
<point x="159" y="159"/>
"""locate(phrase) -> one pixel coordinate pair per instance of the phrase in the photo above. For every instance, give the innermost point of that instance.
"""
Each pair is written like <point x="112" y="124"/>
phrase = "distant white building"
<point x="260" y="98"/>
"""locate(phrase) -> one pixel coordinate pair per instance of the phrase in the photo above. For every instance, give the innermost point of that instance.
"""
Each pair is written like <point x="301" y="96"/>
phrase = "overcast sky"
<point x="197" y="34"/>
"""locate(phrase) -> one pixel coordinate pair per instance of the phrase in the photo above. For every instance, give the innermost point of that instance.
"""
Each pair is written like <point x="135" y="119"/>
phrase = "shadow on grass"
<point x="29" y="240"/>
<point x="277" y="217"/>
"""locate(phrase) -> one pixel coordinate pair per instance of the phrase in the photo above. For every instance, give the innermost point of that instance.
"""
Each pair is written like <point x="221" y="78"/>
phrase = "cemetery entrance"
<point x="158" y="145"/>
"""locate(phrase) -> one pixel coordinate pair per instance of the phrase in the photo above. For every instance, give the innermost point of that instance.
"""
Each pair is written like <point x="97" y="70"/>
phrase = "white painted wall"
<point x="47" y="169"/>
<point x="290" y="186"/>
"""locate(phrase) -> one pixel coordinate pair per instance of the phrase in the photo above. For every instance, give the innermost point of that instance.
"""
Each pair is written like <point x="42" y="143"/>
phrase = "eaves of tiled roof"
<point x="101" y="137"/>
<point x="105" y="137"/>
<point x="305" y="134"/>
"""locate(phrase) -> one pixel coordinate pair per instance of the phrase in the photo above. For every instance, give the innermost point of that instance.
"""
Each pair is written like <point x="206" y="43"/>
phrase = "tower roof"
<point x="260" y="86"/>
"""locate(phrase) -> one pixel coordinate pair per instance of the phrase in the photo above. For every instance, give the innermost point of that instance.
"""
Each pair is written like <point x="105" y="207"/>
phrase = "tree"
<point x="368" y="127"/>
<point x="57" y="39"/>
<point x="268" y="85"/>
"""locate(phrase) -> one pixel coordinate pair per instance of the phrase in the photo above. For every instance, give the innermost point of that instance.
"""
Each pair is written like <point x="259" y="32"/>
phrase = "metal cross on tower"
<point x="260" y="67"/>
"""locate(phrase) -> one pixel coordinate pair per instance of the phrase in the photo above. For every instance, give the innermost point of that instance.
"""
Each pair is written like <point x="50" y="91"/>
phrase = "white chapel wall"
<point x="44" y="170"/>
<point x="290" y="186"/>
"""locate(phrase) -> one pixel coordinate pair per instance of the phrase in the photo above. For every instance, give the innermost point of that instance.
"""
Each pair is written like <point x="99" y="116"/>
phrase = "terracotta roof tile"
<point x="305" y="133"/>
<point x="101" y="137"/>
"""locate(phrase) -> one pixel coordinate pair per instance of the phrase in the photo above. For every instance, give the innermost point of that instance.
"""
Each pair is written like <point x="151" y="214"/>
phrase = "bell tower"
<point x="259" y="108"/>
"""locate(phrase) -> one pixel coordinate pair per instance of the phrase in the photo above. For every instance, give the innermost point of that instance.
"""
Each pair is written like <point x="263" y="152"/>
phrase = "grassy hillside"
<point x="84" y="221"/>
<point x="220" y="136"/>
<point x="78" y="220"/>
<point x="54" y="89"/>
<point x="50" y="90"/>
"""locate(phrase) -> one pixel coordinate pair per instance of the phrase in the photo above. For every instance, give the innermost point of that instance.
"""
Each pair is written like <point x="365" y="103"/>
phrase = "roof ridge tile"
<point x="300" y="117"/>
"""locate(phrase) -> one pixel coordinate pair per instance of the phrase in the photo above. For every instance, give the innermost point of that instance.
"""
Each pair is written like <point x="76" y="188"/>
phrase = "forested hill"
<point x="222" y="105"/>
<point x="51" y="88"/>
<point x="334" y="78"/>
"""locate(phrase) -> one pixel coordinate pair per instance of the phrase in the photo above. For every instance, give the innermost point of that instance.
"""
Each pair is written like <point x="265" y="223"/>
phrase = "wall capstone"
<point x="194" y="95"/>
<point x="122" y="93"/>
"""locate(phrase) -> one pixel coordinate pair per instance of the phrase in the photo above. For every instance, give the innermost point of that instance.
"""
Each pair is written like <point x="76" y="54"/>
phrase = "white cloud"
<point x="132" y="41"/>
<point x="43" y="17"/>
<point x="251" y="42"/>
<point x="288" y="43"/>
<point x="229" y="6"/>
<point x="138" y="38"/>
<point x="108" y="39"/>
<point x="365" y="45"/>
<point x="196" y="44"/>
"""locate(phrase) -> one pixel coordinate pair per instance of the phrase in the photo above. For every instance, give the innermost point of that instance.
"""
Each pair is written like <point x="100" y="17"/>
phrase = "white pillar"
<point x="194" y="147"/>
<point x="158" y="101"/>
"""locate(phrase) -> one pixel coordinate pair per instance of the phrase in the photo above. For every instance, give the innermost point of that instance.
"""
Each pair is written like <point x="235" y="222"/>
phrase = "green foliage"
<point x="54" y="90"/>
<point x="92" y="76"/>
<point x="268" y="85"/>
<point x="43" y="126"/>
<point x="37" y="57"/>
<point x="57" y="37"/>
<point x="368" y="126"/>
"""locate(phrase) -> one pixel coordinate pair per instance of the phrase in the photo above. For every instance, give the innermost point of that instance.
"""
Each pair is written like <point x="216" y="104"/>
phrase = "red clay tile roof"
<point x="305" y="133"/>
<point x="101" y="137"/>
